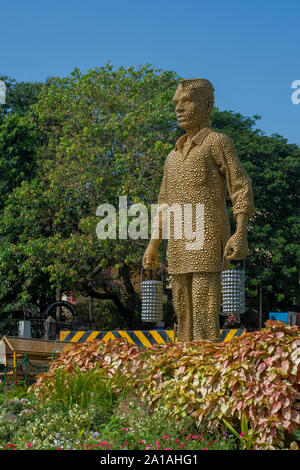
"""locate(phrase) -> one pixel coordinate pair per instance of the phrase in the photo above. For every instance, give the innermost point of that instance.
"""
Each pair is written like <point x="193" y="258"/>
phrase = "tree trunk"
<point x="126" y="311"/>
<point x="131" y="295"/>
<point x="114" y="298"/>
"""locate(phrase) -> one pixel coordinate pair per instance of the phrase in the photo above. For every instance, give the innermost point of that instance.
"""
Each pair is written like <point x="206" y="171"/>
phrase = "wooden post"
<point x="25" y="369"/>
<point x="15" y="368"/>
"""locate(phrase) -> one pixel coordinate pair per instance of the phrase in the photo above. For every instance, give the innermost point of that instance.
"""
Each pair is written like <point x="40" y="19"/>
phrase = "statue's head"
<point x="194" y="101"/>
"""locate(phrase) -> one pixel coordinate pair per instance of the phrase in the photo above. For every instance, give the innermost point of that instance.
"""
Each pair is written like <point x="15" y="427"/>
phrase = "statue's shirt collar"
<point x="196" y="140"/>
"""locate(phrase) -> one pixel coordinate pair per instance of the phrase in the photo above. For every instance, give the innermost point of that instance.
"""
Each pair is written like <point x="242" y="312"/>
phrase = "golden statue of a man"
<point x="198" y="172"/>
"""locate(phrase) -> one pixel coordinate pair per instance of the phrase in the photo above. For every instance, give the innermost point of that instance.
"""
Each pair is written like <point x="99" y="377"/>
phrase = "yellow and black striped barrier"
<point x="141" y="338"/>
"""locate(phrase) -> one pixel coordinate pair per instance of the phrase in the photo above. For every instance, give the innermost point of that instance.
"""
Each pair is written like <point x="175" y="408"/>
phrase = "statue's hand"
<point x="150" y="259"/>
<point x="237" y="247"/>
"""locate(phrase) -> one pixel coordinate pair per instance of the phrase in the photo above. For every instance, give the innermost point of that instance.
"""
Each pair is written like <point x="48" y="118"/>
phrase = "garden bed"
<point x="242" y="394"/>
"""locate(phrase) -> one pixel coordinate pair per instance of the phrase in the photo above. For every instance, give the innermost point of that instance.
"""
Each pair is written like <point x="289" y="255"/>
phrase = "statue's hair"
<point x="201" y="84"/>
<point x="197" y="83"/>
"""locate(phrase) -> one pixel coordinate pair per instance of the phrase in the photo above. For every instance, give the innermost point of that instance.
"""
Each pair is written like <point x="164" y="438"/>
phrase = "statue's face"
<point x="191" y="107"/>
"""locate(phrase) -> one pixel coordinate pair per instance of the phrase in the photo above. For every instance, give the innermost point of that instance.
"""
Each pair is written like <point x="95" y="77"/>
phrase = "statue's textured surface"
<point x="199" y="170"/>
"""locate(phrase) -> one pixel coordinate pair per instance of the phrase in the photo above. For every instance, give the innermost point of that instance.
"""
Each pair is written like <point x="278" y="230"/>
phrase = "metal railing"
<point x="40" y="329"/>
<point x="9" y="373"/>
<point x="10" y="327"/>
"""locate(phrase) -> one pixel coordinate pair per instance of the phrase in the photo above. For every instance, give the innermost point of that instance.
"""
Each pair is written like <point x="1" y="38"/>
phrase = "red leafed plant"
<point x="256" y="376"/>
<point x="108" y="357"/>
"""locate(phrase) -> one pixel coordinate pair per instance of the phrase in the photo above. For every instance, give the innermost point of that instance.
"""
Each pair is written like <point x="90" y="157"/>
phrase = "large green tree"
<point x="101" y="135"/>
<point x="105" y="134"/>
<point x="17" y="164"/>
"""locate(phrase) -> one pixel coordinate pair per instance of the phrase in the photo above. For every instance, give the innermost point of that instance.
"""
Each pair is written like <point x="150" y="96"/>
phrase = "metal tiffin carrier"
<point x="152" y="295"/>
<point x="233" y="291"/>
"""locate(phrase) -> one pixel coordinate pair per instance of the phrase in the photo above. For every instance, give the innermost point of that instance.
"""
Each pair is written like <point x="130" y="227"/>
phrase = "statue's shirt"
<point x="201" y="176"/>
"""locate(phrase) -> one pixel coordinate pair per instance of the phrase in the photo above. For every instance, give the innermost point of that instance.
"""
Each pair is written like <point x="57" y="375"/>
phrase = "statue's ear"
<point x="210" y="104"/>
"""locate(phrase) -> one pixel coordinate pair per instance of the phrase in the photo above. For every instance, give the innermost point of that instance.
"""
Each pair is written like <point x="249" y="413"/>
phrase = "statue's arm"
<point x="238" y="182"/>
<point x="150" y="258"/>
<point x="241" y="194"/>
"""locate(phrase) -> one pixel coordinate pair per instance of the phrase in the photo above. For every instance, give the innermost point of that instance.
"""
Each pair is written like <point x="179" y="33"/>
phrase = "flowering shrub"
<point x="57" y="426"/>
<point x="256" y="375"/>
<point x="46" y="428"/>
<point x="183" y="442"/>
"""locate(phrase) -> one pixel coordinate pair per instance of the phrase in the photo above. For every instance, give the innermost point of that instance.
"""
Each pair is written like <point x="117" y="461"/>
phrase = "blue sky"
<point x="250" y="50"/>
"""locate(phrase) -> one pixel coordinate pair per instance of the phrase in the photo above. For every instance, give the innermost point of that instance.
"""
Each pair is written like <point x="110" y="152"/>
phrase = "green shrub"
<point x="82" y="388"/>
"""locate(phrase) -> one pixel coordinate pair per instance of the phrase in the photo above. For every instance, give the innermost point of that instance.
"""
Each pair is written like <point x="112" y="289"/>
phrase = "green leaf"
<point x="244" y="424"/>
<point x="232" y="429"/>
